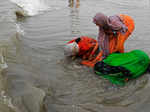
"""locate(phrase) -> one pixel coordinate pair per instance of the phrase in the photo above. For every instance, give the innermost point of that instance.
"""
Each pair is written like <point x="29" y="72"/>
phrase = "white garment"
<point x="71" y="49"/>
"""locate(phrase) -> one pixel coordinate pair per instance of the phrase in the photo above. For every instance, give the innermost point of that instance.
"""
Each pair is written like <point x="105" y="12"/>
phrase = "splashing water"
<point x="31" y="7"/>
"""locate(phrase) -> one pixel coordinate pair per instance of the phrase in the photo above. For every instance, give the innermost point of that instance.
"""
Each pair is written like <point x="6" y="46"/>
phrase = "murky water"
<point x="40" y="79"/>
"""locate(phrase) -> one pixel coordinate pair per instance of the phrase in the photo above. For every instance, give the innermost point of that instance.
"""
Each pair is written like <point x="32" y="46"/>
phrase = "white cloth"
<point x="71" y="49"/>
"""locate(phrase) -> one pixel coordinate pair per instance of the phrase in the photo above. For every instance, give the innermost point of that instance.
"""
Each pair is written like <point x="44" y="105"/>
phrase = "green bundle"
<point x="121" y="67"/>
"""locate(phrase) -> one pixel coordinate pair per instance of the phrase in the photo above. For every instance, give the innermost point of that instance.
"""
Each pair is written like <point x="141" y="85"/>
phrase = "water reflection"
<point x="75" y="19"/>
<point x="75" y="22"/>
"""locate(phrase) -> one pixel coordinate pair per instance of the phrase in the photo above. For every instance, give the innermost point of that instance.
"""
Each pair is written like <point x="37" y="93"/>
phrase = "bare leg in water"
<point x="72" y="2"/>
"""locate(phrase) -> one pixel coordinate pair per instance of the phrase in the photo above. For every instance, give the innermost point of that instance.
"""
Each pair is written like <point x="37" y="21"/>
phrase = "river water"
<point x="39" y="78"/>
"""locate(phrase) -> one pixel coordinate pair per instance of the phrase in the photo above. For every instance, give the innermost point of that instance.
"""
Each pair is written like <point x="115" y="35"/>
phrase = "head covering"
<point x="71" y="49"/>
<point x="112" y="22"/>
<point x="100" y="19"/>
<point x="107" y="24"/>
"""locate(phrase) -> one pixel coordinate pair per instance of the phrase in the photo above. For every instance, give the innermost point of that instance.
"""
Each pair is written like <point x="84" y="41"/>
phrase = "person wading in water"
<point x="113" y="32"/>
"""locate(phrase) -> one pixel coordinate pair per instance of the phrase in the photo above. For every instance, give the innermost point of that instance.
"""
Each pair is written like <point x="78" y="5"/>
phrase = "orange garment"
<point x="116" y="44"/>
<point x="87" y="47"/>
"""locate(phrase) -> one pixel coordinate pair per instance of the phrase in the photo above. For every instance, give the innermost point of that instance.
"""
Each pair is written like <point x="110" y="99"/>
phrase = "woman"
<point x="113" y="31"/>
<point x="83" y="47"/>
